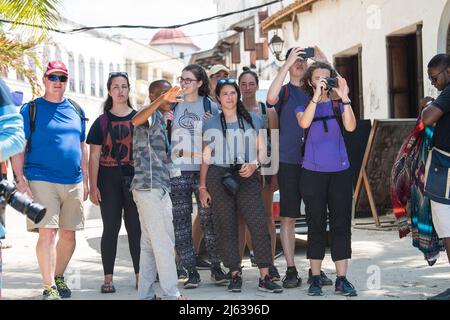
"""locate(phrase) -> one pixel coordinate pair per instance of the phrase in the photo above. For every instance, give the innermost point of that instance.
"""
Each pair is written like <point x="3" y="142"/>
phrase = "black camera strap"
<point x="224" y="130"/>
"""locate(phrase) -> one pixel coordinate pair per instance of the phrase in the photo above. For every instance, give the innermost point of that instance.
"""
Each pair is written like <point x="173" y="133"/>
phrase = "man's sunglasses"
<point x="434" y="78"/>
<point x="54" y="78"/>
<point x="118" y="74"/>
<point x="227" y="81"/>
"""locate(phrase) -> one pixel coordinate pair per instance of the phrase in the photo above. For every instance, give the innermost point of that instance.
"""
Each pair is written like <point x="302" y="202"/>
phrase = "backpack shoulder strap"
<point x="207" y="104"/>
<point x="32" y="110"/>
<point x="337" y="114"/>
<point x="78" y="109"/>
<point x="284" y="97"/>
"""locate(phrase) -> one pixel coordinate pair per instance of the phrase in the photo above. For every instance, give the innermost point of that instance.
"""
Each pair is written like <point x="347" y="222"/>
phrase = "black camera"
<point x="230" y="180"/>
<point x="19" y="201"/>
<point x="332" y="83"/>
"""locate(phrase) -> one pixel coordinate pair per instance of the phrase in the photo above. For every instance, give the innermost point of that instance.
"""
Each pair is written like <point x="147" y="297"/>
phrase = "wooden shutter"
<point x="235" y="53"/>
<point x="262" y="51"/>
<point x="249" y="39"/>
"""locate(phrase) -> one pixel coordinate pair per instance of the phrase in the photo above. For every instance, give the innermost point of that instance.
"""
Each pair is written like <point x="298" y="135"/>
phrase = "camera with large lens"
<point x="230" y="180"/>
<point x="19" y="201"/>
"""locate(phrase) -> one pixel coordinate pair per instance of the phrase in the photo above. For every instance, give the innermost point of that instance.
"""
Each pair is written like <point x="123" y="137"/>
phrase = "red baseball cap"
<point x="56" y="66"/>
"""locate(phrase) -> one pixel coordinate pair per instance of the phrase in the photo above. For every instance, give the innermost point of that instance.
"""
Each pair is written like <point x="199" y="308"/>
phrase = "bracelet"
<point x="202" y="187"/>
<point x="346" y="102"/>
<point x="315" y="102"/>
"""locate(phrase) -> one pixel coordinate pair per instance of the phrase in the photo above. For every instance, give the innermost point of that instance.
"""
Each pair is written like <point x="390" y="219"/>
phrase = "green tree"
<point x="13" y="52"/>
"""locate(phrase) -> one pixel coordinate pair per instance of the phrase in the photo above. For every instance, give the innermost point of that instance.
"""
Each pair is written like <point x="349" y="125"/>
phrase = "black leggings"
<point x="113" y="201"/>
<point x="320" y="191"/>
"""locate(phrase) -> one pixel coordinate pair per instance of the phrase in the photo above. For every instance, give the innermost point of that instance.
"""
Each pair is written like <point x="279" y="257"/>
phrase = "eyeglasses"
<point x="118" y="74"/>
<point x="434" y="78"/>
<point x="186" y="81"/>
<point x="227" y="81"/>
<point x="54" y="78"/>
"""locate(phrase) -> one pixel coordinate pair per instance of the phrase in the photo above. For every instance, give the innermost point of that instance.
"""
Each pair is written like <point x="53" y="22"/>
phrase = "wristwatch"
<point x="347" y="102"/>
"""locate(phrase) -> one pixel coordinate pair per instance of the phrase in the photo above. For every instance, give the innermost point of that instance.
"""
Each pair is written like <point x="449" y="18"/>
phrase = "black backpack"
<point x="32" y="110"/>
<point x="206" y="107"/>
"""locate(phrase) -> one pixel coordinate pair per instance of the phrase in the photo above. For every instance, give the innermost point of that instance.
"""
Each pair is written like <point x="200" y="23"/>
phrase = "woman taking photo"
<point x="110" y="173"/>
<point x="229" y="183"/>
<point x="326" y="180"/>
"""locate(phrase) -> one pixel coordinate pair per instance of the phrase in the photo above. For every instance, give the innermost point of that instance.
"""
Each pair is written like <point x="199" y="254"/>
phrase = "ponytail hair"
<point x="200" y="74"/>
<point x="244" y="113"/>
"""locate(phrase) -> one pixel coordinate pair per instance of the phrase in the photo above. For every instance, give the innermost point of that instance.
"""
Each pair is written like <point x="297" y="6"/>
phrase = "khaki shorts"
<point x="64" y="203"/>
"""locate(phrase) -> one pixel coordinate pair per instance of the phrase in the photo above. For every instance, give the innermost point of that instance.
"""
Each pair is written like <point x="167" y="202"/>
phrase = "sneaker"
<point x="202" y="264"/>
<point x="51" y="293"/>
<point x="218" y="276"/>
<point x="235" y="284"/>
<point x="325" y="280"/>
<point x="344" y="287"/>
<point x="181" y="272"/>
<point x="62" y="287"/>
<point x="291" y="279"/>
<point x="441" y="296"/>
<point x="315" y="289"/>
<point x="268" y="285"/>
<point x="273" y="273"/>
<point x="252" y="260"/>
<point x="193" y="280"/>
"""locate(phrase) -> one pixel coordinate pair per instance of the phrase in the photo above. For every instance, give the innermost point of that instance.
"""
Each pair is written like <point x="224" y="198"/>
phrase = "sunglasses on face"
<point x="186" y="81"/>
<point x="54" y="78"/>
<point x="227" y="81"/>
<point x="118" y="74"/>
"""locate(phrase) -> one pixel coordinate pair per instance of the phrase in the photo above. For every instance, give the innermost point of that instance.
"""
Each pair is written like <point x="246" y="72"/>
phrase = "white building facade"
<point x="91" y="56"/>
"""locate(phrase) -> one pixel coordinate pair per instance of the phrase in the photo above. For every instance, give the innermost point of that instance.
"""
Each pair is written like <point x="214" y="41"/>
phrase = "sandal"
<point x="107" y="287"/>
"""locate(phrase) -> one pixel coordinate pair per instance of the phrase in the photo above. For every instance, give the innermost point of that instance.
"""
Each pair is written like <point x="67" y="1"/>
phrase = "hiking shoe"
<point x="181" y="272"/>
<point x="252" y="260"/>
<point x="315" y="288"/>
<point x="325" y="280"/>
<point x="291" y="279"/>
<point x="268" y="285"/>
<point x="273" y="273"/>
<point x="235" y="284"/>
<point x="193" y="280"/>
<point x="61" y="286"/>
<point x="441" y="296"/>
<point x="51" y="293"/>
<point x="344" y="287"/>
<point x="218" y="276"/>
<point x="201" y="264"/>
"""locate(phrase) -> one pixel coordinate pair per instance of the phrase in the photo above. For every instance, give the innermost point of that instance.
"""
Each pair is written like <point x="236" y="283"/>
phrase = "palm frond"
<point x="36" y="12"/>
<point x="13" y="54"/>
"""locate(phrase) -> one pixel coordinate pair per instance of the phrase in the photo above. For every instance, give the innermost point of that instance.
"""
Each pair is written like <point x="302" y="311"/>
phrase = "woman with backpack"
<point x="229" y="183"/>
<point x="326" y="180"/>
<point x="248" y="84"/>
<point x="185" y="144"/>
<point x="110" y="173"/>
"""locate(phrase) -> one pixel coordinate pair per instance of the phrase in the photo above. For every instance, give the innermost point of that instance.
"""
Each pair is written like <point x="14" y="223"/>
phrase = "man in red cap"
<point x="53" y="170"/>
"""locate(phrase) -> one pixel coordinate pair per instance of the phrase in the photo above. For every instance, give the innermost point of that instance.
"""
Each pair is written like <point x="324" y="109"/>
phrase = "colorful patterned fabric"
<point x="408" y="200"/>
